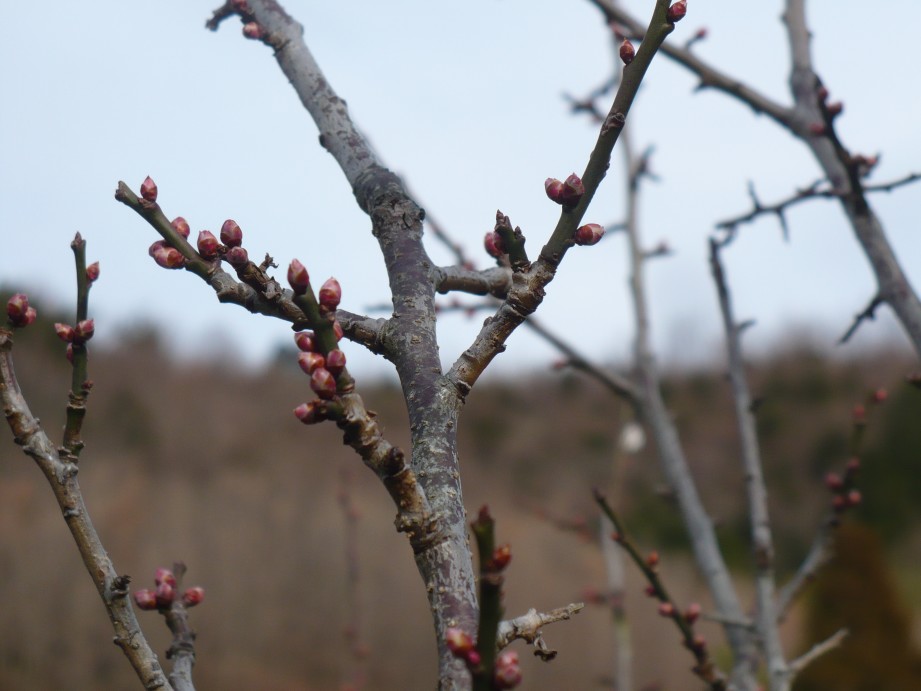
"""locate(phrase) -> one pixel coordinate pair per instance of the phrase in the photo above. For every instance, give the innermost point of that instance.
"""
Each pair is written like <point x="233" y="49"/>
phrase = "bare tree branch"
<point x="818" y="650"/>
<point x="528" y="628"/>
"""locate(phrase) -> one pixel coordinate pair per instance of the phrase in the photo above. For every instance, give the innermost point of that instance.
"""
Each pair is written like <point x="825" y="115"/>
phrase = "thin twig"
<point x="818" y="650"/>
<point x="528" y="627"/>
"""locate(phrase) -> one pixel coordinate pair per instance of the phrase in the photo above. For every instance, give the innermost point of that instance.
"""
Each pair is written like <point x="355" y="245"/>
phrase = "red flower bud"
<point x="571" y="191"/>
<point x="310" y="413"/>
<point x="84" y="331"/>
<point x="854" y="497"/>
<point x="181" y="226"/>
<point x="834" y="482"/>
<point x="92" y="272"/>
<point x="494" y="245"/>
<point x="17" y="309"/>
<point x="310" y="362"/>
<point x="208" y="245"/>
<point x="337" y="330"/>
<point x="237" y="257"/>
<point x="880" y="395"/>
<point x="330" y="294"/>
<point x="627" y="51"/>
<point x="231" y="235"/>
<point x="193" y="596"/>
<point x="589" y="234"/>
<point x="149" y="189"/>
<point x="163" y="575"/>
<point x="507" y="674"/>
<point x="692" y="613"/>
<point x="473" y="658"/>
<point x="553" y="188"/>
<point x="305" y="341"/>
<point x="165" y="594"/>
<point x="650" y="591"/>
<point x="677" y="11"/>
<point x="65" y="332"/>
<point x="253" y="30"/>
<point x="145" y="599"/>
<point x="168" y="257"/>
<point x="501" y="557"/>
<point x="335" y="362"/>
<point x="298" y="278"/>
<point x="459" y="642"/>
<point x="323" y="383"/>
<point x="652" y="560"/>
<point x="157" y="246"/>
<point x="666" y="609"/>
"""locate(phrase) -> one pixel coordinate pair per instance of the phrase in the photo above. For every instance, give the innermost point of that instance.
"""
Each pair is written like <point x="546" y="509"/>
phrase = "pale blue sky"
<point x="463" y="99"/>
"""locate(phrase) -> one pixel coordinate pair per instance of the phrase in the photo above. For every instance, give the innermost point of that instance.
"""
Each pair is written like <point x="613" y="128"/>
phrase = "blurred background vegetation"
<point x="203" y="462"/>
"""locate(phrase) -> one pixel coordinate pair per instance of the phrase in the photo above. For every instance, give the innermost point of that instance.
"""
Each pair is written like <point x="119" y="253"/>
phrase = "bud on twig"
<point x="19" y="311"/>
<point x="181" y="226"/>
<point x="253" y="31"/>
<point x="298" y="278"/>
<point x="149" y="189"/>
<point x="163" y="575"/>
<point x="92" y="272"/>
<point x="310" y="362"/>
<point x="677" y="11"/>
<point x="323" y="383"/>
<point x="589" y="234"/>
<point x="310" y="413"/>
<point x="567" y="193"/>
<point x="692" y="613"/>
<point x="304" y="340"/>
<point x="65" y="332"/>
<point x="165" y="594"/>
<point x="627" y="51"/>
<point x="494" y="245"/>
<point x="666" y="609"/>
<point x="501" y="557"/>
<point x="84" y="331"/>
<point x="231" y="234"/>
<point x="193" y="596"/>
<point x="145" y="599"/>
<point x="335" y="362"/>
<point x="330" y="294"/>
<point x="208" y="245"/>
<point x="508" y="672"/>
<point x="237" y="256"/>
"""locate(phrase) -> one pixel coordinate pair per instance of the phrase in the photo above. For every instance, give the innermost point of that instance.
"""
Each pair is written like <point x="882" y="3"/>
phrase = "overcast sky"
<point x="463" y="100"/>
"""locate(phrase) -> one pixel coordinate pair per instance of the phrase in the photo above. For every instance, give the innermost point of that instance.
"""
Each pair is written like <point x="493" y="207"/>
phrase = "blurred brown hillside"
<point x="206" y="463"/>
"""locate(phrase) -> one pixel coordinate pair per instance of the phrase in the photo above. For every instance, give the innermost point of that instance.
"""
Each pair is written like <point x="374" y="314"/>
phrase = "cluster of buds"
<point x="164" y="595"/>
<point x="75" y="335"/>
<point x="19" y="311"/>
<point x="567" y="193"/>
<point x="844" y="495"/>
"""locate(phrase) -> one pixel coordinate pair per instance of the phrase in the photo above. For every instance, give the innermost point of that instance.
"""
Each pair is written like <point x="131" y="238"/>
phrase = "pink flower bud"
<point x="165" y="594"/>
<point x="834" y="482"/>
<point x="253" y="30"/>
<point x="305" y="341"/>
<point x="92" y="272"/>
<point x="310" y="362"/>
<point x="880" y="395"/>
<point x="652" y="560"/>
<point x="459" y="642"/>
<point x="650" y="591"/>
<point x="231" y="235"/>
<point x="311" y="413"/>
<point x="692" y="613"/>
<point x="84" y="331"/>
<point x="181" y="226"/>
<point x="145" y="599"/>
<point x="330" y="294"/>
<point x="169" y="258"/>
<point x="854" y="497"/>
<point x="193" y="596"/>
<point x="666" y="609"/>
<point x="335" y="362"/>
<point x="237" y="257"/>
<point x="323" y="383"/>
<point x="163" y="575"/>
<point x="65" y="332"/>
<point x="19" y="311"/>
<point x="627" y="51"/>
<point x="298" y="278"/>
<point x="493" y="244"/>
<point x="157" y="246"/>
<point x="149" y="189"/>
<point x="589" y="234"/>
<point x="553" y="188"/>
<point x="835" y="109"/>
<point x="208" y="245"/>
<point x="507" y="674"/>
<point x="337" y="330"/>
<point x="570" y="191"/>
<point x="677" y="11"/>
